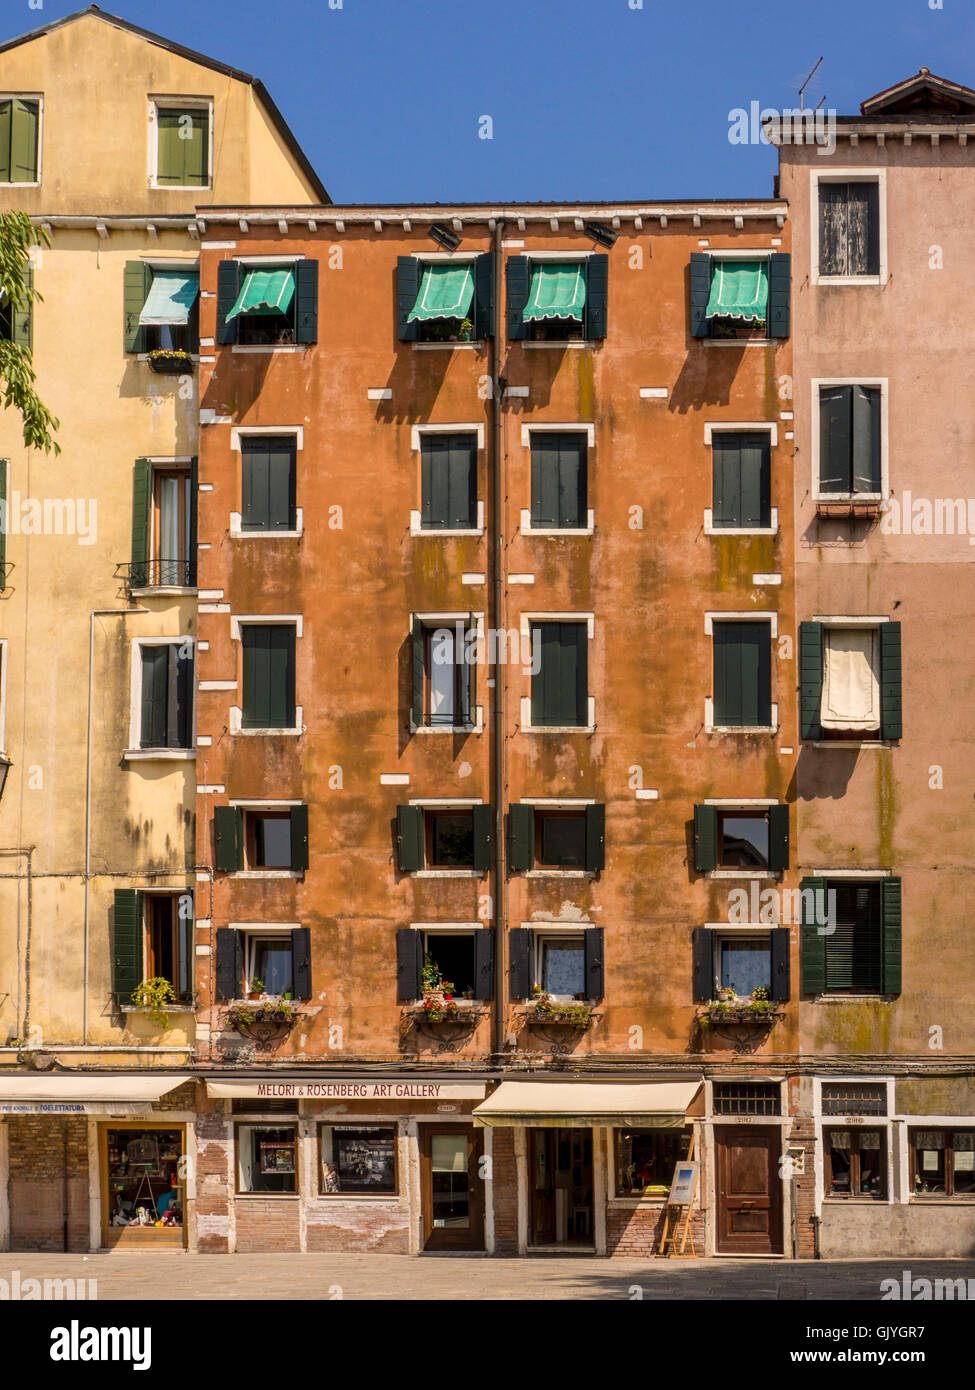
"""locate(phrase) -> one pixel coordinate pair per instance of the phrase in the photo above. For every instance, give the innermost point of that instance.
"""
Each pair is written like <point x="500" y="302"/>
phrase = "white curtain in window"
<point x="851" y="679"/>
<point x="245" y="1148"/>
<point x="443" y="676"/>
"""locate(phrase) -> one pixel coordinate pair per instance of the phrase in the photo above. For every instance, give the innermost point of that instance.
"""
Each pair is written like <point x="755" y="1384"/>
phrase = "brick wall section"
<point x="505" y="1193"/>
<point x="803" y="1136"/>
<point x="377" y="1227"/>
<point x="36" y="1190"/>
<point x="213" y="1177"/>
<point x="634" y="1232"/>
<point x="267" y="1223"/>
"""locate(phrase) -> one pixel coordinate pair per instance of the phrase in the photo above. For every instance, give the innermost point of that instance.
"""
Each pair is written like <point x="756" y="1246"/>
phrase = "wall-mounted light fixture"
<point x="444" y="236"/>
<point x="604" y="235"/>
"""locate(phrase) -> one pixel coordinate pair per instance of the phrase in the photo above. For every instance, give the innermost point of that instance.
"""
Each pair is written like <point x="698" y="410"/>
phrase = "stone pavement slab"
<point x="166" y="1276"/>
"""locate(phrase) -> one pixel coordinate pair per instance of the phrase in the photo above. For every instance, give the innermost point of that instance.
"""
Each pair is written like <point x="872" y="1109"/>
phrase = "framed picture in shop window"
<point x="277" y="1158"/>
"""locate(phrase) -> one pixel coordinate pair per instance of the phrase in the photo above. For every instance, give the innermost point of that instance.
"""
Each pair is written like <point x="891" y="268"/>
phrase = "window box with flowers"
<point x="440" y="1014"/>
<point x="730" y="1007"/>
<point x="170" y="361"/>
<point x="267" y="1020"/>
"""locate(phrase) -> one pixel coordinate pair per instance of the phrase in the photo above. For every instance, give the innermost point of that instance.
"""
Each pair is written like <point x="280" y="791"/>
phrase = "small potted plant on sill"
<point x="170" y="361"/>
<point x="256" y="990"/>
<point x="153" y="996"/>
<point x="547" y="1009"/>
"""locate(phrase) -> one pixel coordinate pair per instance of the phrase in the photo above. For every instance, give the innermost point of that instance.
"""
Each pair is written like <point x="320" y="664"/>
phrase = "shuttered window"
<point x="560" y="687"/>
<point x="269" y="676"/>
<point x="849" y="439"/>
<point x="166" y="696"/>
<point x="183" y="149"/>
<point x="849" y="229"/>
<point x="448" y="482"/>
<point x="268" y="469"/>
<point x="742" y="480"/>
<point x="19" y="131"/>
<point x="856" y="947"/>
<point x="559" y="481"/>
<point x="742" y="675"/>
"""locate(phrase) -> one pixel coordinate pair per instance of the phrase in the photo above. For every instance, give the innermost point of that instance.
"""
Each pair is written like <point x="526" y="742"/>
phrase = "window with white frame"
<point x="742" y="671"/>
<point x="847" y="226"/>
<point x="849" y="440"/>
<point x="268" y="661"/>
<point x="162" y="694"/>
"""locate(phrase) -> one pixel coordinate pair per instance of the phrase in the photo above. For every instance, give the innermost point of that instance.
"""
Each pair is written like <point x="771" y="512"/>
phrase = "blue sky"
<point x="588" y="98"/>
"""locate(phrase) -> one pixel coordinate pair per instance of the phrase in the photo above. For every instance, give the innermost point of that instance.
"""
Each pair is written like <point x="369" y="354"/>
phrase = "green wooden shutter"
<point x="518" y="278"/>
<point x="835" y="441"/>
<point x="484" y="963"/>
<point x="255" y="501"/>
<point x="194" y="503"/>
<point x="228" y="833"/>
<point x="23" y="141"/>
<point x="228" y="288"/>
<point x="299" y="837"/>
<point x="169" y="149"/>
<point x="469" y="686"/>
<point x="269" y="676"/>
<point x="700" y="293"/>
<point x="705" y="839"/>
<point x="813" y="957"/>
<point x="229" y="970"/>
<point x="865" y="429"/>
<point x="594" y="960"/>
<point x="595" y="838"/>
<point x="890" y="890"/>
<point x="409" y="838"/>
<point x="780" y="988"/>
<point x="409" y="271"/>
<point x="22" y="317"/>
<point x="810" y="679"/>
<point x="306" y="301"/>
<point x="138" y="278"/>
<point x="597" y="297"/>
<point x="742" y="675"/>
<point x="702" y="964"/>
<point x="484" y="296"/>
<point x="891" y="718"/>
<point x="4" y="522"/>
<point x="141" y="497"/>
<point x="196" y="150"/>
<point x="187" y="945"/>
<point x="182" y="675"/>
<point x="778" y="838"/>
<point x="544" y="479"/>
<point x="409" y="964"/>
<point x="521" y="838"/>
<point x="416" y="690"/>
<point x="483" y="817"/>
<point x="561" y="685"/>
<point x="779" y="280"/>
<point x="127" y="949"/>
<point x="154" y="696"/>
<point x="301" y="962"/>
<point x="742" y="480"/>
<point x="6" y="125"/>
<point x="521" y="972"/>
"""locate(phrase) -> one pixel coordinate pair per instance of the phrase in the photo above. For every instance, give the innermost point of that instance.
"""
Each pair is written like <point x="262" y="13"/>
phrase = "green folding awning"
<point x="739" y="290"/>
<point x="558" y="291"/>
<point x="172" y="295"/>
<point x="446" y="292"/>
<point x="265" y="292"/>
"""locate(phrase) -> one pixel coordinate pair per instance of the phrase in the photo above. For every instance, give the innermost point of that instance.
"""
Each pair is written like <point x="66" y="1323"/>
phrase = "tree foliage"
<point x="17" y="376"/>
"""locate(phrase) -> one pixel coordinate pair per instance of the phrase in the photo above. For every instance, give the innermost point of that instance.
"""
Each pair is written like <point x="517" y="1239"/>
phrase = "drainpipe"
<point x="500" y="674"/>
<point x="95" y="612"/>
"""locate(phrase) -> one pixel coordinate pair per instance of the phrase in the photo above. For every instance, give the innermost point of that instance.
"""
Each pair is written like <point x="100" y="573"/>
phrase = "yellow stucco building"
<point x="110" y="138"/>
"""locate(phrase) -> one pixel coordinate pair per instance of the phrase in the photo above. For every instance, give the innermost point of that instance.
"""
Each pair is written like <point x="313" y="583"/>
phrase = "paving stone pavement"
<point x="167" y="1276"/>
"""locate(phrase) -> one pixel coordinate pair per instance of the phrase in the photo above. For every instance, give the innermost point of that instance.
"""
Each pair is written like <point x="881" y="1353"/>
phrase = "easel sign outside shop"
<point x="680" y="1205"/>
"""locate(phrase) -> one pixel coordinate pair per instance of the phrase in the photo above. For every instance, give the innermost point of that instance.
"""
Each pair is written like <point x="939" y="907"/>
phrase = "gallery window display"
<point x="358" y="1159"/>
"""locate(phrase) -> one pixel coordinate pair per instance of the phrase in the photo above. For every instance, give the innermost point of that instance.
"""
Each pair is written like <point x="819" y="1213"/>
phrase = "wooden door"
<point x="452" y="1187"/>
<point x="542" y="1187"/>
<point x="749" y="1191"/>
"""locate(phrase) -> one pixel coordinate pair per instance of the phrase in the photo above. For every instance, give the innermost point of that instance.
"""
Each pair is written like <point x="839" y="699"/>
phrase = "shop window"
<point x="747" y="1098"/>
<point x="266" y="1158"/>
<point x="359" y="1159"/>
<point x="645" y="1159"/>
<point x="856" y="1162"/>
<point x="143" y="1173"/>
<point x="943" y="1162"/>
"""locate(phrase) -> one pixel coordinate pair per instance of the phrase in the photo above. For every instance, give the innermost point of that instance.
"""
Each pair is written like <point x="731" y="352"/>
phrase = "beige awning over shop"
<point x="579" y="1104"/>
<point x="60" y="1093"/>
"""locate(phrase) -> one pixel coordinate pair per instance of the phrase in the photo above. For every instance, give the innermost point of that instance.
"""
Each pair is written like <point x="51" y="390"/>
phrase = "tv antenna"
<point x="806" y="84"/>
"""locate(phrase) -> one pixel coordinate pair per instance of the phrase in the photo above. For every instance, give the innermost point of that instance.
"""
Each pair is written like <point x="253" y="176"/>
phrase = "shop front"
<point x="591" y="1163"/>
<point x="393" y="1165"/>
<point x="94" y="1161"/>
